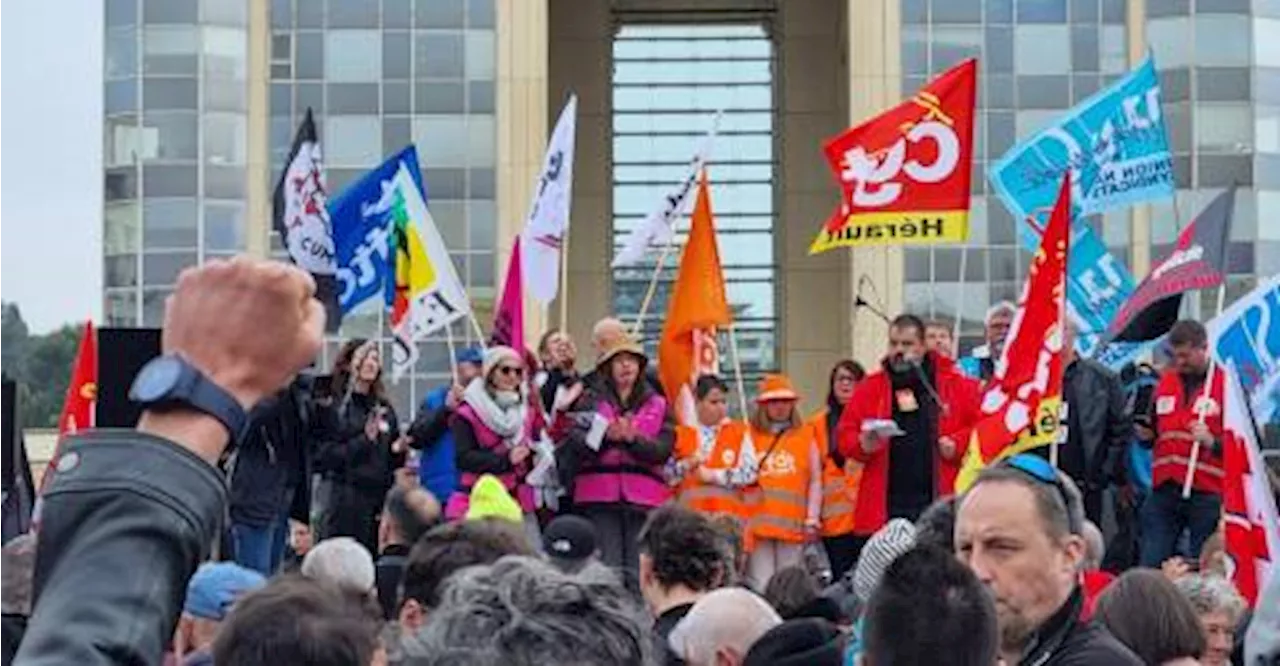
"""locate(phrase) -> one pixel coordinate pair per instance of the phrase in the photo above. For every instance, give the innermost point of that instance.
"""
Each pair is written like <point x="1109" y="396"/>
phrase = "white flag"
<point x="548" y="222"/>
<point x="434" y="297"/>
<point x="659" y="227"/>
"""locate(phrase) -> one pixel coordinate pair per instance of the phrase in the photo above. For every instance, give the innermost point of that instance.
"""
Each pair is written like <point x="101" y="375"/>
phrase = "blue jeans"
<point x="1165" y="515"/>
<point x="260" y="547"/>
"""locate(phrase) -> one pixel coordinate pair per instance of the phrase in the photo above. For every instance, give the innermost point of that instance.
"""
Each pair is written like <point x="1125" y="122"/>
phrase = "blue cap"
<point x="216" y="586"/>
<point x="469" y="355"/>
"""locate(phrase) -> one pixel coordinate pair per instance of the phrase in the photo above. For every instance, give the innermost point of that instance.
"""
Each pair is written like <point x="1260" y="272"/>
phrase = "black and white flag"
<point x="300" y="213"/>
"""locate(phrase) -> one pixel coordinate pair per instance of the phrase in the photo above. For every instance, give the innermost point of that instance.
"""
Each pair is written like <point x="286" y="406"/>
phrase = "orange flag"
<point x="698" y="307"/>
<point x="82" y="392"/>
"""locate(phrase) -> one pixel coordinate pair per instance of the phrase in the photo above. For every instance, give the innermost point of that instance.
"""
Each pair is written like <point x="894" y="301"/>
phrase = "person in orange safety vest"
<point x="840" y="475"/>
<point x="705" y="466"/>
<point x="789" y="478"/>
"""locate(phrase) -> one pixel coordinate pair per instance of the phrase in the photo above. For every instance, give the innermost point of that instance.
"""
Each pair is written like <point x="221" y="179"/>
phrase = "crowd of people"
<point x="532" y="512"/>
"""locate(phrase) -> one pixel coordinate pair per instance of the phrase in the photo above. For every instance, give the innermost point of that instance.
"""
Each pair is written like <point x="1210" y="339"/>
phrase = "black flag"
<point x="1198" y="261"/>
<point x="300" y="213"/>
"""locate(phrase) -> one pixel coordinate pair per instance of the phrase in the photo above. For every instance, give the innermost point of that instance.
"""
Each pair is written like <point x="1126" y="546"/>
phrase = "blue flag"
<point x="1117" y="148"/>
<point x="362" y="216"/>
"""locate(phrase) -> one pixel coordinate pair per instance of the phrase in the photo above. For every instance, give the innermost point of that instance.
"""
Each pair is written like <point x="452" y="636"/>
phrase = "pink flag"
<point x="508" y="320"/>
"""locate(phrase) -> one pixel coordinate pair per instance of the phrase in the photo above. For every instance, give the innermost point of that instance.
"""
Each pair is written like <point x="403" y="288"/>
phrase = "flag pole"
<point x="1202" y="406"/>
<point x="479" y="331"/>
<point x="955" y="332"/>
<point x="653" y="285"/>
<point x="564" y="282"/>
<point x="453" y="354"/>
<point x="737" y="372"/>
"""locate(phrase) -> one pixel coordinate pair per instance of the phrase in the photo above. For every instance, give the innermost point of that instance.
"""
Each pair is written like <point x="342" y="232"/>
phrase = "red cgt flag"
<point x="82" y="391"/>
<point x="904" y="174"/>
<point x="1022" y="402"/>
<point x="82" y="394"/>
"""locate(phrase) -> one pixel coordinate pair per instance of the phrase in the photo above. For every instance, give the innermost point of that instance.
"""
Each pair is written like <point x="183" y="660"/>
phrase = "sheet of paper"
<point x="882" y="427"/>
<point x="595" y="435"/>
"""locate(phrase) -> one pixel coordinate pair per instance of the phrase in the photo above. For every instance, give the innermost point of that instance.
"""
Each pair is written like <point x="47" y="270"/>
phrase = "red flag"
<point x="1020" y="409"/>
<point x="508" y="321"/>
<point x="904" y="174"/>
<point x="1251" y="527"/>
<point x="82" y="391"/>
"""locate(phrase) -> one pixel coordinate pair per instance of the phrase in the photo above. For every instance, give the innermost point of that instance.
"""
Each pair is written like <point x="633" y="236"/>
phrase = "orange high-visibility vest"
<point x="709" y="497"/>
<point x="839" y="486"/>
<point x="783" y="484"/>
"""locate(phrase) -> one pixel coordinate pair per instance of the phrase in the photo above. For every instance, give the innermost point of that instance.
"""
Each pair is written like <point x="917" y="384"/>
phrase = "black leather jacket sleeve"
<point x="125" y="521"/>
<point x="1119" y="430"/>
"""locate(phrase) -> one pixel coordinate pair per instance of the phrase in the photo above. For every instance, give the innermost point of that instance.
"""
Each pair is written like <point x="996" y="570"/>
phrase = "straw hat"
<point x="776" y="387"/>
<point x="613" y="340"/>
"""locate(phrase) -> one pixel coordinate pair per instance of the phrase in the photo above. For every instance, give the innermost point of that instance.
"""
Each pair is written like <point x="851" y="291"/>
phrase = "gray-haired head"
<point x="521" y="610"/>
<point x="1005" y="308"/>
<point x="1212" y="594"/>
<point x="1094" y="546"/>
<point x="725" y="622"/>
<point x="343" y="562"/>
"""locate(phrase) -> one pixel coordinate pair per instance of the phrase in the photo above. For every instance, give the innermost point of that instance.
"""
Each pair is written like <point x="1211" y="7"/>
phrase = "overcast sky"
<point x="50" y="159"/>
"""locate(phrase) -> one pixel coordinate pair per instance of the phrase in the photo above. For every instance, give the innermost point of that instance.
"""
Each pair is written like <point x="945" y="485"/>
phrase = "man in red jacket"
<point x="933" y="405"/>
<point x="1184" y="416"/>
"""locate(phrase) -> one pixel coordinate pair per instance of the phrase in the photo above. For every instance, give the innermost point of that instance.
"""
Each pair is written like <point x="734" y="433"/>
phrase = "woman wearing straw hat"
<point x="789" y="477"/>
<point x="622" y="436"/>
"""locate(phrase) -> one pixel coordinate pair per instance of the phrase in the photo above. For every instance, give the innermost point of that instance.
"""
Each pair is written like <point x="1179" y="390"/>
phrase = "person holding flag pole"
<point x="1187" y="445"/>
<point x="714" y="461"/>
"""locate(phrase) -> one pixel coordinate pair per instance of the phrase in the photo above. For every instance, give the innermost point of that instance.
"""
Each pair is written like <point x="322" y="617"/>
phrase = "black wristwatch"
<point x="170" y="381"/>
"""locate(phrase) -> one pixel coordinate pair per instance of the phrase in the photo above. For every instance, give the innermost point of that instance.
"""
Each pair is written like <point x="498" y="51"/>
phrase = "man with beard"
<point x="1019" y="528"/>
<point x="908" y="423"/>
<point x="1187" y="419"/>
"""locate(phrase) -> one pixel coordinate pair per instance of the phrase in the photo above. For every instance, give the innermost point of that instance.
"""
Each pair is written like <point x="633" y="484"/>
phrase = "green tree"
<point x="49" y="365"/>
<point x="13" y="340"/>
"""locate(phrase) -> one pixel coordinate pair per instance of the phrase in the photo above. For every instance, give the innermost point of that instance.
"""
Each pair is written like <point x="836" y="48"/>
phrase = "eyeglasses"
<point x="510" y="370"/>
<point x="1040" y="470"/>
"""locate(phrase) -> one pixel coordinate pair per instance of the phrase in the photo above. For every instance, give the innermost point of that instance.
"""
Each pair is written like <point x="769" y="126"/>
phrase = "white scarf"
<point x="506" y="422"/>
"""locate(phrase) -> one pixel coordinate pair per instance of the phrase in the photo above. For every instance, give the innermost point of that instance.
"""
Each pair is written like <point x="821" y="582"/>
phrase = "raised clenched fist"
<point x="247" y="324"/>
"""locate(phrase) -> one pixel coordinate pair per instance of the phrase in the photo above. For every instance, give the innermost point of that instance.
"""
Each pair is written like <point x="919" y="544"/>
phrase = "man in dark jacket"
<point x="271" y="469"/>
<point x="430" y="433"/>
<point x="1019" y="528"/>
<point x="129" y="514"/>
<point x="407" y="515"/>
<point x="1098" y="428"/>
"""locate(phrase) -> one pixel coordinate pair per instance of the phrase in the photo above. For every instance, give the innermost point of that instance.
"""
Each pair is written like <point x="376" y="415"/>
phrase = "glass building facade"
<point x="379" y="75"/>
<point x="669" y="82"/>
<point x="174" y="146"/>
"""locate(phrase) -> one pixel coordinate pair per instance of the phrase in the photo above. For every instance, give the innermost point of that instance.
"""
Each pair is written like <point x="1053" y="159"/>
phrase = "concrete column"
<point x="875" y="81"/>
<point x="814" y="294"/>
<point x="1140" y="215"/>
<point x="258" y="130"/>
<point x="521" y="89"/>
<point x="580" y="33"/>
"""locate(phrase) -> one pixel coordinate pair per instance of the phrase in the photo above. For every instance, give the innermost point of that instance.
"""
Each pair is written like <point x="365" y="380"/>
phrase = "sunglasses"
<point x="510" y="370"/>
<point x="1039" y="469"/>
